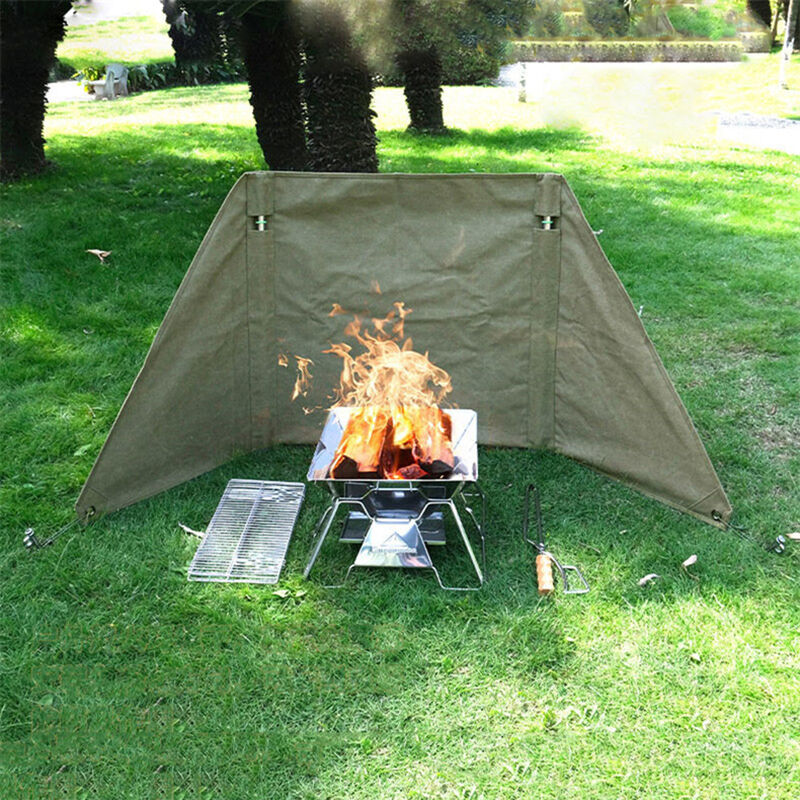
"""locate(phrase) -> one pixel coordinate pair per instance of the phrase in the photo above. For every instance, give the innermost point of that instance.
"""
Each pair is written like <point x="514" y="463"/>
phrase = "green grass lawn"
<point x="119" y="679"/>
<point x="128" y="40"/>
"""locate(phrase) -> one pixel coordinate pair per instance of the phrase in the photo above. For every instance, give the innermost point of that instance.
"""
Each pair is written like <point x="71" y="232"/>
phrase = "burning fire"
<point x="396" y="429"/>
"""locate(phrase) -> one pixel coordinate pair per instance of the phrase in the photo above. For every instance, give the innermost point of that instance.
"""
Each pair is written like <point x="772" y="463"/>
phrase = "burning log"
<point x="433" y="434"/>
<point x="401" y="444"/>
<point x="396" y="429"/>
<point x="358" y="453"/>
<point x="345" y="468"/>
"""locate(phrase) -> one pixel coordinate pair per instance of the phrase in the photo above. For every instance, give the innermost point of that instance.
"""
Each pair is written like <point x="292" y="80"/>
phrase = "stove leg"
<point x="323" y="526"/>
<point x="340" y="585"/>
<point x="468" y="497"/>
<point x="467" y="544"/>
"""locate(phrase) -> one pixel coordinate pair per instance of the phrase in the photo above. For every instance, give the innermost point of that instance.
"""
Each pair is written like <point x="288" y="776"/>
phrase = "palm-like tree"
<point x="337" y="90"/>
<point x="29" y="34"/>
<point x="270" y="44"/>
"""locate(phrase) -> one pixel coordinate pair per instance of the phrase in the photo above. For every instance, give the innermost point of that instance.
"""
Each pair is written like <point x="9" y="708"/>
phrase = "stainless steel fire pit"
<point x="396" y="521"/>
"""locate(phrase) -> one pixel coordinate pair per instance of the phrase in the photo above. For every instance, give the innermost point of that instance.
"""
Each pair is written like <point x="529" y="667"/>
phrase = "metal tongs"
<point x="544" y="558"/>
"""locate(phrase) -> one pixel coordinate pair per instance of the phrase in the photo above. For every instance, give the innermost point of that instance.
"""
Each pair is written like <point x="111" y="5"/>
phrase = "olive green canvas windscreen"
<point x="511" y="294"/>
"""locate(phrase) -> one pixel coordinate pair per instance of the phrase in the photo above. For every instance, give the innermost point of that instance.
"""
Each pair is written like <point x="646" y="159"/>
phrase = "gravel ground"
<point x="66" y="92"/>
<point x="767" y="133"/>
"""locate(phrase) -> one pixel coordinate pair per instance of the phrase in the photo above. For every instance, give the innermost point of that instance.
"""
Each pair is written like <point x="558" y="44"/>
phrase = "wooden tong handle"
<point x="544" y="574"/>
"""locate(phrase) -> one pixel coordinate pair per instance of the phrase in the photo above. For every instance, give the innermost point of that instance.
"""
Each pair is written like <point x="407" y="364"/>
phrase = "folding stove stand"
<point x="396" y="521"/>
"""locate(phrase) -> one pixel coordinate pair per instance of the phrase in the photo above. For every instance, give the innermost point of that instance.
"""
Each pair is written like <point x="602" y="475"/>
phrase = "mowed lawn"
<point x="120" y="679"/>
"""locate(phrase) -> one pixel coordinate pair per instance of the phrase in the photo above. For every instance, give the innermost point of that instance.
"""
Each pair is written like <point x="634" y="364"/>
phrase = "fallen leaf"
<point x="689" y="561"/>
<point x="300" y="593"/>
<point x="101" y="254"/>
<point x="794" y="536"/>
<point x="191" y="531"/>
<point x="624" y="530"/>
<point x="772" y="411"/>
<point x="88" y="331"/>
<point x="282" y="593"/>
<point x="84" y="448"/>
<point x="695" y="657"/>
<point x="647" y="578"/>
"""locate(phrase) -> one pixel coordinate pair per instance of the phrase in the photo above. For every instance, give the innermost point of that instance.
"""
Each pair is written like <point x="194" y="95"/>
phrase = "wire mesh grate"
<point x="248" y="536"/>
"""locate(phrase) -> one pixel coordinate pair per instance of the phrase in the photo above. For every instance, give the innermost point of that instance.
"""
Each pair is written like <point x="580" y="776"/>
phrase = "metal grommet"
<point x="778" y="546"/>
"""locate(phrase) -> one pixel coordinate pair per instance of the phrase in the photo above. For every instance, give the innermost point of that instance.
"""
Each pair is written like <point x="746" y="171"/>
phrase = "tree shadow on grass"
<point x="504" y="142"/>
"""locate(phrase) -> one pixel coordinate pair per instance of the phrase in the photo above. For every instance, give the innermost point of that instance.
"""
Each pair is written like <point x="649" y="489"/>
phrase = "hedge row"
<point x="160" y="75"/>
<point x="529" y="50"/>
<point x="756" y="41"/>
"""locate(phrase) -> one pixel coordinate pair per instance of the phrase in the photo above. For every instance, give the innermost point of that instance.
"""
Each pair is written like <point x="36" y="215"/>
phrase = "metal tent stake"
<point x="544" y="558"/>
<point x="32" y="541"/>
<point x="777" y="545"/>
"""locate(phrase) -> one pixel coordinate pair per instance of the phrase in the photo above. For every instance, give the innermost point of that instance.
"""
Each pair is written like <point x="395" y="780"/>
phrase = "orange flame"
<point x="303" y="381"/>
<point x="389" y="373"/>
<point x="397" y="429"/>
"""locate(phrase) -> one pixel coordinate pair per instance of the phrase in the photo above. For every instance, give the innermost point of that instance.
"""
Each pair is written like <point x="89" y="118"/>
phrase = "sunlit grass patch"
<point x="128" y="40"/>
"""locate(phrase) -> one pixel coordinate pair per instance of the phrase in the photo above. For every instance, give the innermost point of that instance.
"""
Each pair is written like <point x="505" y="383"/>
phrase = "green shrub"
<point x="146" y="77"/>
<point x="607" y="17"/>
<point x="88" y="74"/>
<point x="547" y="20"/>
<point x="700" y="23"/>
<point x="465" y="65"/>
<point x="61" y="71"/>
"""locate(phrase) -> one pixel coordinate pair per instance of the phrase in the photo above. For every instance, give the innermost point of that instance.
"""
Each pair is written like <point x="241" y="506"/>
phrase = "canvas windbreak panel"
<point x="616" y="408"/>
<point x="188" y="409"/>
<point x="510" y="293"/>
<point x="455" y="250"/>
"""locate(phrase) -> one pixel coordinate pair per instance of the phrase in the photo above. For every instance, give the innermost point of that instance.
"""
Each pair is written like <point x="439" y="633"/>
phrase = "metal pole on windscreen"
<point x="788" y="41"/>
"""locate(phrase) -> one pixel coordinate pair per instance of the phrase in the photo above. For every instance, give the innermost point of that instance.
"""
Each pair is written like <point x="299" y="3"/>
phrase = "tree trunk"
<point x="422" y="85"/>
<point x="194" y="28"/>
<point x="271" y="52"/>
<point x="338" y="96"/>
<point x="420" y="64"/>
<point x="29" y="34"/>
<point x="761" y="10"/>
<point x="796" y="45"/>
<point x="790" y="40"/>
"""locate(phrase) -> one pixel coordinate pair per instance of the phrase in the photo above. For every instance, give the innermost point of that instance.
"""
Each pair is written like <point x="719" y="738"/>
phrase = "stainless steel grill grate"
<point x="248" y="536"/>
